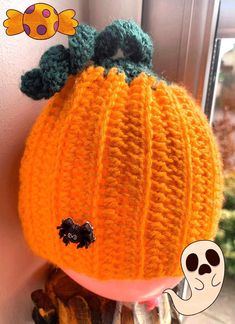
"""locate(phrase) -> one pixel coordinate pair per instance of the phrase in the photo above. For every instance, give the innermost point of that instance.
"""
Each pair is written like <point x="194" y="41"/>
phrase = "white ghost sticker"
<point x="203" y="265"/>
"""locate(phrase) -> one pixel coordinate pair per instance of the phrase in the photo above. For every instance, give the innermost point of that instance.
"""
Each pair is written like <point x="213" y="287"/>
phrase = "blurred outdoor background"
<point x="224" y="128"/>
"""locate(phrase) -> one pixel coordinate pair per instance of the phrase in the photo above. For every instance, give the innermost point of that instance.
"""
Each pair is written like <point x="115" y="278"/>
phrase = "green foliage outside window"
<point x="226" y="234"/>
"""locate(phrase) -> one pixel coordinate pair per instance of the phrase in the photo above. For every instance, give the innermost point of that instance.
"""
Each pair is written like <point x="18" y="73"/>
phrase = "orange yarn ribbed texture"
<point x="138" y="161"/>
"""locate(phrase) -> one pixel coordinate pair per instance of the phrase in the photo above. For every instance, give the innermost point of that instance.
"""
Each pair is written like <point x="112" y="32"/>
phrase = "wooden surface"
<point x="63" y="301"/>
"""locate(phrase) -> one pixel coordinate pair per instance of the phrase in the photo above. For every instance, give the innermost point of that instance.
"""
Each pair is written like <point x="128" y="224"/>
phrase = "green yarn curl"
<point x="50" y="77"/>
<point x="88" y="45"/>
<point x="81" y="47"/>
<point x="127" y="36"/>
<point x="58" y="63"/>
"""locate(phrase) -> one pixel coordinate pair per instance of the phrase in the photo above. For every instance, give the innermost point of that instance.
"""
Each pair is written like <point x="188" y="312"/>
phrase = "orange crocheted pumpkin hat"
<point x="119" y="161"/>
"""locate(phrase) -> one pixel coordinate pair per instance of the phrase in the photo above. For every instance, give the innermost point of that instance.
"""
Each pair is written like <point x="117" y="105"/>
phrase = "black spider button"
<point x="70" y="232"/>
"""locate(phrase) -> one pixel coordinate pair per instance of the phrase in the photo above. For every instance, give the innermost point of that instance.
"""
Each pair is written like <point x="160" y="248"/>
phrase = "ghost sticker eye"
<point x="212" y="257"/>
<point x="192" y="262"/>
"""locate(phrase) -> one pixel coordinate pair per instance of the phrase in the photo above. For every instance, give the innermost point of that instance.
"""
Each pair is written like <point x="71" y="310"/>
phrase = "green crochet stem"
<point x="87" y="45"/>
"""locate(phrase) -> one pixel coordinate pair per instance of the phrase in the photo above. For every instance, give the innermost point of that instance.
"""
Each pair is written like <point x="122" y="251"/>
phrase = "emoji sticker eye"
<point x="212" y="257"/>
<point x="192" y="262"/>
<point x="70" y="235"/>
<point x="75" y="237"/>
